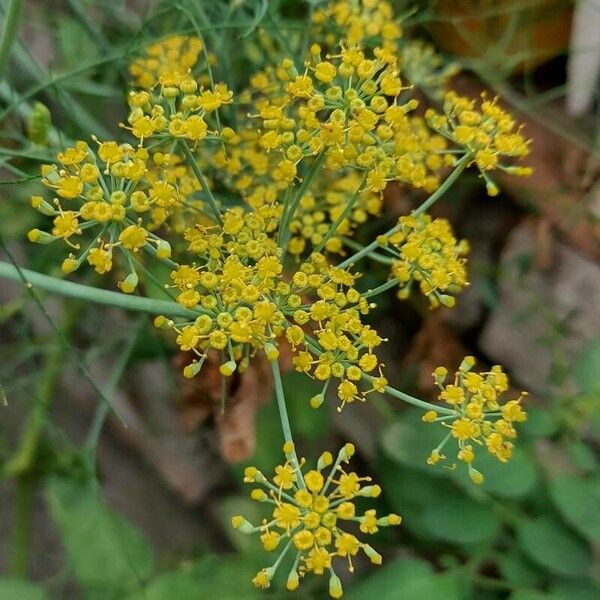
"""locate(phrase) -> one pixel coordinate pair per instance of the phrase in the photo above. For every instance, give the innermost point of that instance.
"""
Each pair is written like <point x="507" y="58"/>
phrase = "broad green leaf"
<point x="564" y="590"/>
<point x="221" y="577"/>
<point x="408" y="579"/>
<point x="529" y="595"/>
<point x="578" y="500"/>
<point x="550" y="544"/>
<point x="251" y="510"/>
<point x="12" y="588"/>
<point x="540" y="422"/>
<point x="575" y="590"/>
<point x="518" y="569"/>
<point x="513" y="479"/>
<point x="459" y="519"/>
<point x="107" y="554"/>
<point x="409" y="441"/>
<point x="409" y="491"/>
<point x="176" y="585"/>
<point x="586" y="370"/>
<point x="583" y="457"/>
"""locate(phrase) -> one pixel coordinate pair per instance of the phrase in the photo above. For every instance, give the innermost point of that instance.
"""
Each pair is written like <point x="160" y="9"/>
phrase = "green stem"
<point x="200" y="177"/>
<point x="347" y="210"/>
<point x="416" y="402"/>
<point x="382" y="288"/>
<point x="21" y="526"/>
<point x="289" y="212"/>
<point x="283" y="415"/>
<point x="460" y="167"/>
<point x="22" y="465"/>
<point x="84" y="292"/>
<point x="384" y="260"/>
<point x="9" y="32"/>
<point x="103" y="409"/>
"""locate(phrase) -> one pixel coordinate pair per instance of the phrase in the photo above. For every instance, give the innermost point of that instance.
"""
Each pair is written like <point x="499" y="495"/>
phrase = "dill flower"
<point x="425" y="68"/>
<point x="106" y="193"/>
<point x="166" y="62"/>
<point x="319" y="209"/>
<point x="425" y="251"/>
<point x="183" y="109"/>
<point x="365" y="22"/>
<point x="480" y="418"/>
<point x="311" y="510"/>
<point x="346" y="107"/>
<point x="487" y="132"/>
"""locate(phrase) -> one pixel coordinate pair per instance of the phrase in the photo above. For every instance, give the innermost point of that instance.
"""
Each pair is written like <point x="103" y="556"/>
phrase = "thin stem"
<point x="22" y="465"/>
<point x="345" y="213"/>
<point x="9" y="32"/>
<point x="84" y="292"/>
<point x="21" y="526"/>
<point x="202" y="180"/>
<point x="103" y="409"/>
<point x="283" y="415"/>
<point x="289" y="212"/>
<point x="415" y="401"/>
<point x="384" y="260"/>
<point x="460" y="167"/>
<point x="382" y="288"/>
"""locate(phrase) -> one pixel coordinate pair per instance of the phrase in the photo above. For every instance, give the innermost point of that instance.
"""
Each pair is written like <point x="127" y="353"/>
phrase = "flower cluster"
<point x="298" y="163"/>
<point x="490" y="135"/>
<point x="346" y="107"/>
<point x="425" y="68"/>
<point x="107" y="192"/>
<point x="179" y="110"/>
<point x="364" y="22"/>
<point x="246" y="306"/>
<point x="310" y="512"/>
<point x="166" y="62"/>
<point x="236" y="283"/>
<point x="340" y="346"/>
<point x="479" y="417"/>
<point x="318" y="210"/>
<point x="425" y="251"/>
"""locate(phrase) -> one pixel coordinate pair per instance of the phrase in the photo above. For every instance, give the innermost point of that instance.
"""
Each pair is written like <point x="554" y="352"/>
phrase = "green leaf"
<point x="409" y="491"/>
<point x="175" y="585"/>
<point x="409" y="441"/>
<point x="223" y="577"/>
<point x="249" y="509"/>
<point x="518" y="569"/>
<point x="586" y="370"/>
<point x="575" y="590"/>
<point x="540" y="423"/>
<point x="550" y="544"/>
<point x="107" y="554"/>
<point x="513" y="479"/>
<point x="459" y="519"/>
<point x="529" y="595"/>
<point x="578" y="500"/>
<point x="409" y="579"/>
<point x="583" y="456"/>
<point x="12" y="588"/>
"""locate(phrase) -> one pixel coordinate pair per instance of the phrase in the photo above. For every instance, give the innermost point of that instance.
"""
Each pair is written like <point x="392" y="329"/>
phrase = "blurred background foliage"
<point x="93" y="509"/>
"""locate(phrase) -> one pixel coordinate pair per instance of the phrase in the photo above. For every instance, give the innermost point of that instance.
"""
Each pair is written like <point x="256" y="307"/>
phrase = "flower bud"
<point x="238" y="522"/>
<point x="335" y="586"/>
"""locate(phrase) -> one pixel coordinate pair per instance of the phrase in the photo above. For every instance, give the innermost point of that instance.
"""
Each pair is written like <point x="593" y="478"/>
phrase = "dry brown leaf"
<point x="201" y="398"/>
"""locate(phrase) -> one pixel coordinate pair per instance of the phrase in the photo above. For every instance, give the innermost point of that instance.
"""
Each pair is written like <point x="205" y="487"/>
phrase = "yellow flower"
<point x="312" y="517"/>
<point x="478" y="419"/>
